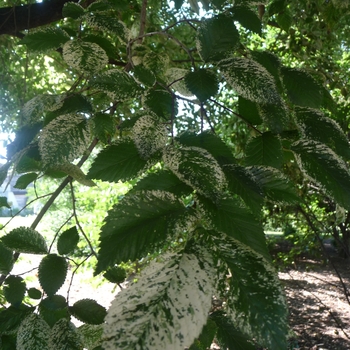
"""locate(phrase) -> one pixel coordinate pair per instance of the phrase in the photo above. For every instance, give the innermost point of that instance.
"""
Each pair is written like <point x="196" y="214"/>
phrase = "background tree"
<point x="207" y="126"/>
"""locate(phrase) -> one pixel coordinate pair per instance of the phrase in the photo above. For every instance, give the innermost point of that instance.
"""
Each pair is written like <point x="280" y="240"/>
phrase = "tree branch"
<point x="15" y="19"/>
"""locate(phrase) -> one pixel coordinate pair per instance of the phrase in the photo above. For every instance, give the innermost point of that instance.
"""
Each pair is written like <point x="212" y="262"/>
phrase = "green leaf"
<point x="24" y="180"/>
<point x="33" y="333"/>
<point x="68" y="241"/>
<point x="217" y="37"/>
<point x="302" y="89"/>
<point x="315" y="125"/>
<point x="115" y="274"/>
<point x="197" y="168"/>
<point x="14" y="290"/>
<point x="137" y="225"/>
<point x="75" y="172"/>
<point x="108" y="22"/>
<point x="6" y="259"/>
<point x="104" y="126"/>
<point x="228" y="336"/>
<point x="144" y="75"/>
<point x="242" y="182"/>
<point x="248" y="110"/>
<point x="4" y="203"/>
<point x="64" y="139"/>
<point x="161" y="102"/>
<point x="255" y="302"/>
<point x="91" y="335"/>
<point x="121" y="161"/>
<point x="285" y="19"/>
<point x="50" y="38"/>
<point x="275" y="116"/>
<point x="11" y="317"/>
<point x="53" y="308"/>
<point x="203" y="83"/>
<point x="326" y="168"/>
<point x="64" y="335"/>
<point x="117" y="84"/>
<point x="170" y="305"/>
<point x="25" y="240"/>
<point x="88" y="311"/>
<point x="34" y="293"/>
<point x="205" y="339"/>
<point x="210" y="142"/>
<point x="265" y="149"/>
<point x="275" y="185"/>
<point x="149" y="135"/>
<point x="88" y="58"/>
<point x="28" y="164"/>
<point x="72" y="10"/>
<point x="52" y="273"/>
<point x="247" y="18"/>
<point x="227" y="215"/>
<point x="250" y="80"/>
<point x="163" y="180"/>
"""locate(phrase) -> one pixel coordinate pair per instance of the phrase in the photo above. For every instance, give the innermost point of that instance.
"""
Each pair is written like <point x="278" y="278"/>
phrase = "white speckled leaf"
<point x="86" y="57"/>
<point x="149" y="135"/>
<point x="64" y="139"/>
<point x="325" y="167"/>
<point x="250" y="80"/>
<point x="166" y="309"/>
<point x="255" y="300"/>
<point x="33" y="110"/>
<point x="197" y="168"/>
<point x="117" y="84"/>
<point x="25" y="240"/>
<point x="64" y="336"/>
<point x="33" y="333"/>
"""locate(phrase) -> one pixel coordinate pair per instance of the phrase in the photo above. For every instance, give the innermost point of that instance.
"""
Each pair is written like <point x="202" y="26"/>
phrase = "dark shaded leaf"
<point x="24" y="180"/>
<point x="247" y="18"/>
<point x="25" y="240"/>
<point x="72" y="10"/>
<point x="52" y="273"/>
<point x="203" y="83"/>
<point x="217" y="37"/>
<point x="88" y="311"/>
<point x="14" y="290"/>
<point x="104" y="126"/>
<point x="64" y="335"/>
<point x="4" y="203"/>
<point x="6" y="259"/>
<point x="34" y="293"/>
<point x="53" y="308"/>
<point x="67" y="241"/>
<point x="161" y="102"/>
<point x="115" y="274"/>
<point x="264" y="149"/>
<point x="121" y="161"/>
<point x="229" y="216"/>
<point x="249" y="111"/>
<point x="50" y="38"/>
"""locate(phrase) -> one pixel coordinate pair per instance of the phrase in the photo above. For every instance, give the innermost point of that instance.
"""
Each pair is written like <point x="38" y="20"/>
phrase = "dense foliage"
<point x="210" y="122"/>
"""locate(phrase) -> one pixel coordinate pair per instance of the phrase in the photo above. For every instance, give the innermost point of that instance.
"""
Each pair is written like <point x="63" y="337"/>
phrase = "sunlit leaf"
<point x="171" y="301"/>
<point x="138" y="224"/>
<point x="64" y="335"/>
<point x="33" y="333"/>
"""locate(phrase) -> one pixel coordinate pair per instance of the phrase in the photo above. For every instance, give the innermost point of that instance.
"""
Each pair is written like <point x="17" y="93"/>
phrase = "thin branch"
<point x="236" y="114"/>
<point x="77" y="220"/>
<point x="143" y="17"/>
<point x="51" y="200"/>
